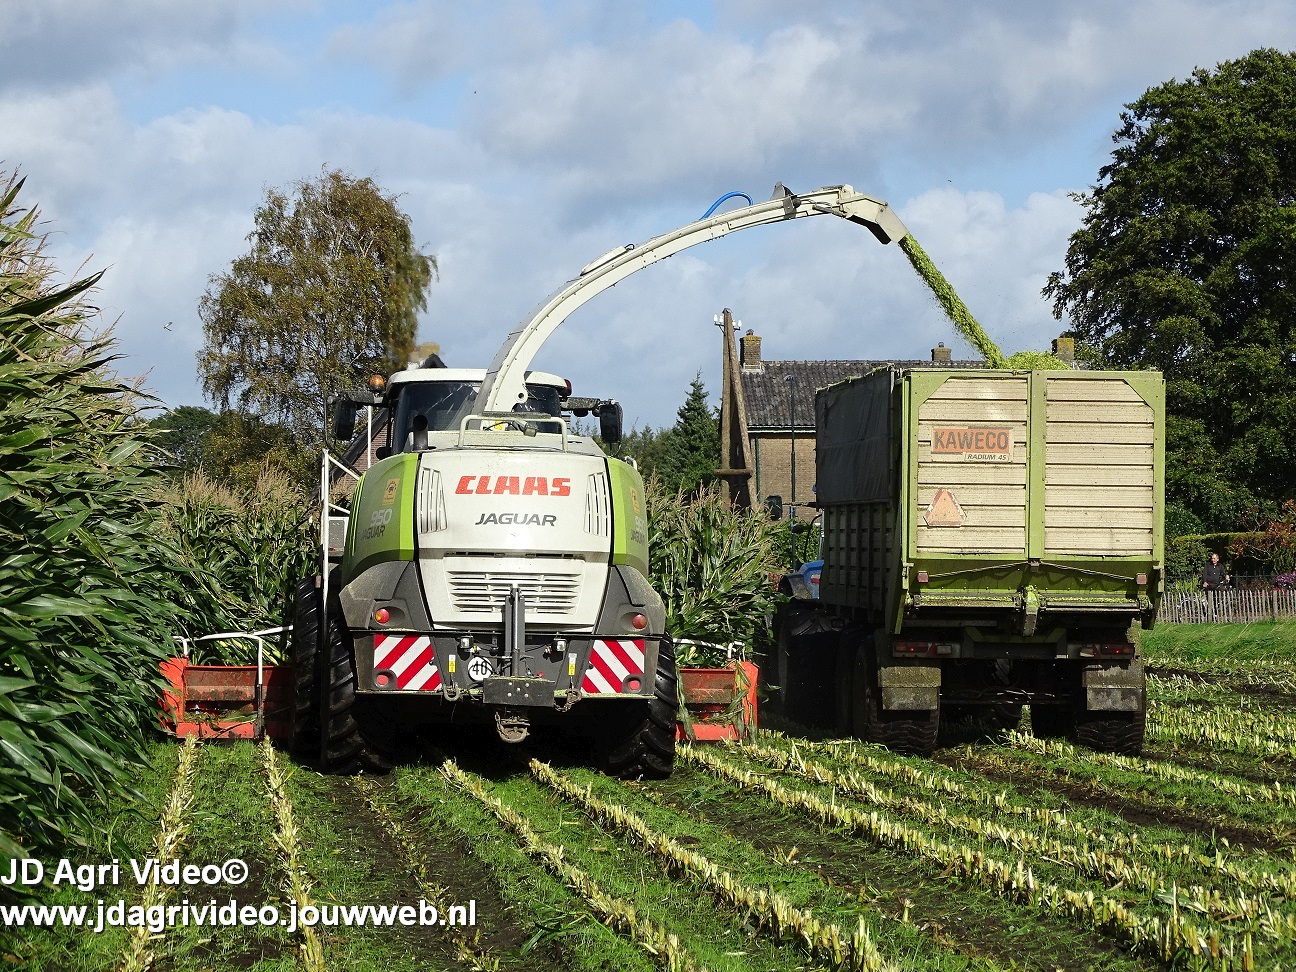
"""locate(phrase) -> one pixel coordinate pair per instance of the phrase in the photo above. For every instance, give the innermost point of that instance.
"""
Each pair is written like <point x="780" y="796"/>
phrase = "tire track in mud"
<point x="374" y="847"/>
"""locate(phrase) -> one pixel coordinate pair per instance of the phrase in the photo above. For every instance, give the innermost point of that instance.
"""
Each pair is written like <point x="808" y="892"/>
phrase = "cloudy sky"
<point x="526" y="138"/>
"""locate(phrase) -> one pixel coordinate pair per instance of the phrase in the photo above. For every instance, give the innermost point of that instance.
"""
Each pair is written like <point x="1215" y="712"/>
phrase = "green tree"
<point x="688" y="454"/>
<point x="181" y="432"/>
<point x="233" y="448"/>
<point x="329" y="290"/>
<point x="1186" y="262"/>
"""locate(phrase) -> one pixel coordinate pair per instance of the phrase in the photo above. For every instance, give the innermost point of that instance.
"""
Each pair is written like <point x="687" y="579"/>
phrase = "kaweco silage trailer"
<point x="990" y="539"/>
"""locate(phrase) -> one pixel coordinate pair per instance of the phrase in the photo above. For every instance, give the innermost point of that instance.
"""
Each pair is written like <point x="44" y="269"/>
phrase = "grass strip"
<point x="468" y="948"/>
<point x="1269" y="643"/>
<point x="173" y="829"/>
<point x="296" y="885"/>
<point x="1173" y="939"/>
<point x="824" y="941"/>
<point x="1090" y="859"/>
<point x="620" y="914"/>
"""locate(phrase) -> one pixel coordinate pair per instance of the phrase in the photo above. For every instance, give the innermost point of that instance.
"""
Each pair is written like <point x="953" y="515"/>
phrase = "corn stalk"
<point x="825" y="941"/>
<point x="173" y="828"/>
<point x="620" y="914"/>
<point x="1173" y="939"/>
<point x="1173" y="772"/>
<point x="1264" y="736"/>
<point x="296" y="885"/>
<point x="1091" y="859"/>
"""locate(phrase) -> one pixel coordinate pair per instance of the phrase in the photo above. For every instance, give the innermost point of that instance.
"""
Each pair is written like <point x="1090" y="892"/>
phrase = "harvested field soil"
<point x="793" y="850"/>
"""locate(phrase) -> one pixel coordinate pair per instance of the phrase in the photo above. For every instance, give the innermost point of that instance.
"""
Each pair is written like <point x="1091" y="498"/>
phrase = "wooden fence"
<point x="1226" y="606"/>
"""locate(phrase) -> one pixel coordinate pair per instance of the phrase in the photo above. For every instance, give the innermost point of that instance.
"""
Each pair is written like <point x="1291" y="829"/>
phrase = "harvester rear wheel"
<point x="639" y="740"/>
<point x="911" y="732"/>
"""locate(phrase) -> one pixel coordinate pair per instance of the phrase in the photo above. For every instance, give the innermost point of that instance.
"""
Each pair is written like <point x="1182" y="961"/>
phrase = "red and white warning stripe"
<point x="611" y="662"/>
<point x="410" y="658"/>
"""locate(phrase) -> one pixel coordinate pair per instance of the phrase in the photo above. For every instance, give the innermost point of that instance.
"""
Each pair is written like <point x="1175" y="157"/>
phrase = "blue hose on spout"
<point x="728" y="195"/>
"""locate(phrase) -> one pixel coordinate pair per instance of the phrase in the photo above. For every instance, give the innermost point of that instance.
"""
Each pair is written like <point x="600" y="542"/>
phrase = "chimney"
<point x="749" y="354"/>
<point x="941" y="354"/>
<point x="1064" y="348"/>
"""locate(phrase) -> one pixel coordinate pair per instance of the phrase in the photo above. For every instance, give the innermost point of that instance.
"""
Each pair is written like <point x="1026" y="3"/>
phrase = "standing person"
<point x="1214" y="576"/>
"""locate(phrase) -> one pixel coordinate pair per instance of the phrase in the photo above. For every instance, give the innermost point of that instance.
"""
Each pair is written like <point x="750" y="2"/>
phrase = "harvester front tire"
<point x="306" y="663"/>
<point x="345" y="733"/>
<point x="639" y="742"/>
<point x="909" y="732"/>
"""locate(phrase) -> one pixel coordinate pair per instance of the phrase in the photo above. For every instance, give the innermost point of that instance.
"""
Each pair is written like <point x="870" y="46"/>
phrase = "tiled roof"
<point x="766" y="391"/>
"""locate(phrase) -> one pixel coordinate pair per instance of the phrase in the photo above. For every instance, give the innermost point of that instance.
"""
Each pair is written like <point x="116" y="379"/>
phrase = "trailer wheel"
<point x="639" y="740"/>
<point x="355" y="734"/>
<point x="305" y="659"/>
<point x="1112" y="732"/>
<point x="912" y="732"/>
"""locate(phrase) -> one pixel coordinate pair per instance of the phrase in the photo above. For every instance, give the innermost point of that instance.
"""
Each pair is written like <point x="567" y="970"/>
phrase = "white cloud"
<point x="593" y="127"/>
<point x="60" y="43"/>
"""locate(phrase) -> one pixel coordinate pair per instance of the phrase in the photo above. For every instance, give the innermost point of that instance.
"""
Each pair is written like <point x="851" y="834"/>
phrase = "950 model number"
<point x="378" y="521"/>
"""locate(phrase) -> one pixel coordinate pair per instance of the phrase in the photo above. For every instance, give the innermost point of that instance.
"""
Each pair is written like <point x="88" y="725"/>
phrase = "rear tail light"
<point x="928" y="649"/>
<point x="1107" y="649"/>
<point x="914" y="648"/>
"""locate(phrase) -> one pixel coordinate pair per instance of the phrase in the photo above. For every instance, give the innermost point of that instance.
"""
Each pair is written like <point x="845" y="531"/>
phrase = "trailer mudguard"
<point x="1116" y="688"/>
<point x="910" y="686"/>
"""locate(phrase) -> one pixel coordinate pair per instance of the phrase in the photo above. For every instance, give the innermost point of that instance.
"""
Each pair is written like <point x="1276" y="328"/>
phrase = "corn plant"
<point x="712" y="565"/>
<point x="244" y="549"/>
<point x="1172" y="938"/>
<point x="86" y="589"/>
<point x="852" y="951"/>
<point x="1220" y="728"/>
<point x="1089" y="856"/>
<point x="1274" y="792"/>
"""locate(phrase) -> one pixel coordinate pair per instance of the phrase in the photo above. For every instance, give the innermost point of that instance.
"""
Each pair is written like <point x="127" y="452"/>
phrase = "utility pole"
<point x="735" y="467"/>
<point x="791" y="380"/>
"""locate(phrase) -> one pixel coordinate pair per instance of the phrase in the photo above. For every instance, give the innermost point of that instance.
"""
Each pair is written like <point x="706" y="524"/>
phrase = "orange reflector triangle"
<point x="944" y="511"/>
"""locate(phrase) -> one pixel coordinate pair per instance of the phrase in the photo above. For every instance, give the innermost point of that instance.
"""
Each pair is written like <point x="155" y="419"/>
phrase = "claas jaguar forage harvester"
<point x="495" y="562"/>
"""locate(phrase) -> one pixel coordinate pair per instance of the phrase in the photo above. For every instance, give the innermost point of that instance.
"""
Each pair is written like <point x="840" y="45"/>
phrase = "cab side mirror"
<point x="774" y="507"/>
<point x="344" y="421"/>
<point x="610" y="418"/>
